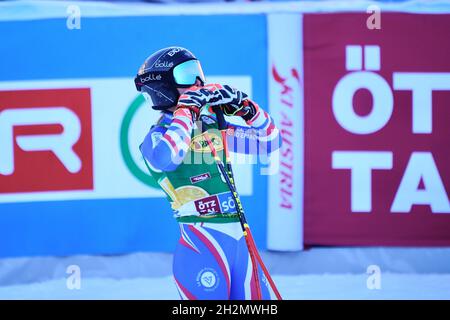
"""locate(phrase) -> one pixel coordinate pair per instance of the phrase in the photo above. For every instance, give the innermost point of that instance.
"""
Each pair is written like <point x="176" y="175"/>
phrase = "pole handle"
<point x="222" y="124"/>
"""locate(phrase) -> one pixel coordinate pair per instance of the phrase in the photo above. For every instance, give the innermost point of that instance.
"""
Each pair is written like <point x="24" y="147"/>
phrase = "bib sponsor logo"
<point x="207" y="205"/>
<point x="199" y="144"/>
<point x="220" y="203"/>
<point x="200" y="177"/>
<point x="183" y="194"/>
<point x="227" y="204"/>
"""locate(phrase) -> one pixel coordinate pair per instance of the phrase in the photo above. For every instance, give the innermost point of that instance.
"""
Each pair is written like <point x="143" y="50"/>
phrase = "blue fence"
<point x="112" y="47"/>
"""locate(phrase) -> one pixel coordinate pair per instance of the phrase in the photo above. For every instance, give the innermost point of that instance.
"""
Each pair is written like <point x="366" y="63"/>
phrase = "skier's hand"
<point x="213" y="94"/>
<point x="192" y="99"/>
<point x="234" y="102"/>
<point x="227" y="95"/>
<point x="247" y="110"/>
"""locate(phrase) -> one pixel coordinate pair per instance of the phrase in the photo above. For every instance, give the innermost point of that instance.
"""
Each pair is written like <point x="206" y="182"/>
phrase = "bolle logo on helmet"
<point x="163" y="64"/>
<point x="151" y="77"/>
<point x="173" y="51"/>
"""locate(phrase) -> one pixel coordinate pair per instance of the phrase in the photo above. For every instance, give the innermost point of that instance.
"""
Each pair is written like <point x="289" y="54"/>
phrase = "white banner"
<point x="119" y="118"/>
<point x="285" y="207"/>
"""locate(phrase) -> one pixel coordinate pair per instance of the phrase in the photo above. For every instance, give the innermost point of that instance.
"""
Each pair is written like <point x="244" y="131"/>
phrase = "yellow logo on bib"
<point x="183" y="194"/>
<point x="199" y="143"/>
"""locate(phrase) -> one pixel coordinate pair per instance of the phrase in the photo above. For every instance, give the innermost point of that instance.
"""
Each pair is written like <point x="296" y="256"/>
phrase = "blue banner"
<point x="112" y="48"/>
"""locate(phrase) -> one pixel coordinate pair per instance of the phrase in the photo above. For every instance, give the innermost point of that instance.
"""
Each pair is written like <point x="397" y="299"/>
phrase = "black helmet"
<point x="165" y="71"/>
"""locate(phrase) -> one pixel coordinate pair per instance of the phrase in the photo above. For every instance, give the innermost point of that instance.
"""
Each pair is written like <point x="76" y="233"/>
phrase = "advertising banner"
<point x="285" y="73"/>
<point x="377" y="138"/>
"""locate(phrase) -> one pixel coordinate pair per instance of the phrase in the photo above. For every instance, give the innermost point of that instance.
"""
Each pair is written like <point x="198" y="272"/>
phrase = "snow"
<point x="318" y="273"/>
<point x="311" y="286"/>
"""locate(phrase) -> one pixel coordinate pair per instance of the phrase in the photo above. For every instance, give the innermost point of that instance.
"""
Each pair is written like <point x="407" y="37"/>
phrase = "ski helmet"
<point x="163" y="72"/>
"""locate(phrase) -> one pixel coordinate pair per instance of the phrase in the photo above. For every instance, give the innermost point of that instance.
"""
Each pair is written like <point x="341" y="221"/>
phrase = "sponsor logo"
<point x="288" y="87"/>
<point x="220" y="203"/>
<point x="199" y="144"/>
<point x="173" y="51"/>
<point x="382" y="119"/>
<point x="207" y="205"/>
<point x="185" y="194"/>
<point x="226" y="201"/>
<point x="200" y="177"/>
<point x="245" y="134"/>
<point x="163" y="64"/>
<point x="45" y="140"/>
<point x="208" y="278"/>
<point x="59" y="144"/>
<point x="363" y="74"/>
<point x="151" y="77"/>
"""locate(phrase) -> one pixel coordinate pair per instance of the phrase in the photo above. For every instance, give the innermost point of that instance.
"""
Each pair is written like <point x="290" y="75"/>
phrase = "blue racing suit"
<point x="211" y="260"/>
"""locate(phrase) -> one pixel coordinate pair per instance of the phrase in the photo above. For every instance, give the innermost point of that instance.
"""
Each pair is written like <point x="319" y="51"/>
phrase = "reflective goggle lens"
<point x="187" y="72"/>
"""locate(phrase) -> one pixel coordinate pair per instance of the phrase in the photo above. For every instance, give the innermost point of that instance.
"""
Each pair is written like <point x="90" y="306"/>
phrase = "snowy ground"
<point x="318" y="273"/>
<point x="326" y="286"/>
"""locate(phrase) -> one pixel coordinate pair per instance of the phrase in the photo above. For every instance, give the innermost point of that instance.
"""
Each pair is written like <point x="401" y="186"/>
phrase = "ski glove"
<point x="235" y="103"/>
<point x="247" y="110"/>
<point x="213" y="94"/>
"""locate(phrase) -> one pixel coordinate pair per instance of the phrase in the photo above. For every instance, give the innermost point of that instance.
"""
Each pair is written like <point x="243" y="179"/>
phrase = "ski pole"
<point x="221" y="167"/>
<point x="223" y="127"/>
<point x="253" y="251"/>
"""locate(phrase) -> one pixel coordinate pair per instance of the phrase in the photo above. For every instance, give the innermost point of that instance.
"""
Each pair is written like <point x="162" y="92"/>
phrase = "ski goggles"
<point x="183" y="75"/>
<point x="159" y="87"/>
<point x="186" y="73"/>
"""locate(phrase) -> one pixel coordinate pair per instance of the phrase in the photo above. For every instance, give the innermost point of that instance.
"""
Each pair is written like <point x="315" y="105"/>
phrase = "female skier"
<point x="211" y="260"/>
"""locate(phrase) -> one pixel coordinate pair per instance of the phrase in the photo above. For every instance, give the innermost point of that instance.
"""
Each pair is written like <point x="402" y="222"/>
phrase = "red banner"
<point x="377" y="133"/>
<point x="45" y="140"/>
